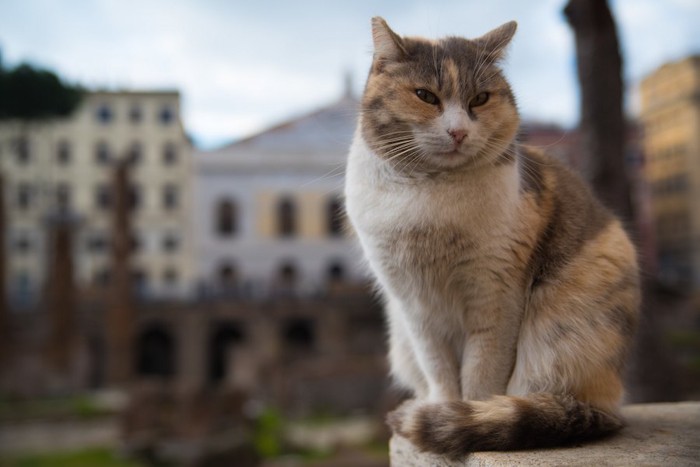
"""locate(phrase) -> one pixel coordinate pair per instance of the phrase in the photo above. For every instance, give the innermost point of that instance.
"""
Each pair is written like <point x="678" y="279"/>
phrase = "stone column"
<point x="120" y="312"/>
<point x="59" y="298"/>
<point x="191" y="364"/>
<point x="5" y="336"/>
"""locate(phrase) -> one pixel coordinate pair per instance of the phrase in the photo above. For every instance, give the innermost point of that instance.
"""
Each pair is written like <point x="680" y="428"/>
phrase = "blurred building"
<point x="65" y="167"/>
<point x="670" y="113"/>
<point x="268" y="209"/>
<point x="559" y="142"/>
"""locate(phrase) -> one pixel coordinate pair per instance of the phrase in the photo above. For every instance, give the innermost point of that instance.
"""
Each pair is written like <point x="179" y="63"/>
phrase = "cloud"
<point x="244" y="65"/>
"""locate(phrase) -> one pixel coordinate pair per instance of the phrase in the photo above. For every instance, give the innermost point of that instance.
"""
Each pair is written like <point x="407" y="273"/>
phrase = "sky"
<point x="243" y="65"/>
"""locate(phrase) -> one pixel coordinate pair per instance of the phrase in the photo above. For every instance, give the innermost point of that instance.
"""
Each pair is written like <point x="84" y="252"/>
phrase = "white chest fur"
<point x="422" y="235"/>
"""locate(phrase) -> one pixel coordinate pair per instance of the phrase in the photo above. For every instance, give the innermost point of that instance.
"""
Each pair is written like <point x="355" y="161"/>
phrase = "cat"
<point x="511" y="293"/>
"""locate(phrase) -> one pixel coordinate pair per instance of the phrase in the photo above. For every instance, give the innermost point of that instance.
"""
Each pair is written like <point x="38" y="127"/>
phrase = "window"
<point x="134" y="243"/>
<point x="170" y="196"/>
<point x="63" y="153"/>
<point x="102" y="277"/>
<point x="24" y="287"/>
<point x="135" y="114"/>
<point x="336" y="272"/>
<point x="334" y="217"/>
<point x="21" y="146"/>
<point x="23" y="244"/>
<point x="226" y="218"/>
<point x="286" y="218"/>
<point x="169" y="154"/>
<point x="135" y="153"/>
<point x="134" y="197"/>
<point x="170" y="276"/>
<point x="227" y="276"/>
<point x="97" y="243"/>
<point x="104" y="114"/>
<point x="170" y="243"/>
<point x="288" y="274"/>
<point x="102" y="155"/>
<point x="166" y="115"/>
<point x="63" y="197"/>
<point x="139" y="281"/>
<point x="103" y="197"/>
<point x="24" y="196"/>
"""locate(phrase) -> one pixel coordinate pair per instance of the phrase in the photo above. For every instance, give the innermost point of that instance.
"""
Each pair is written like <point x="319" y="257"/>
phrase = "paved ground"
<point x="45" y="436"/>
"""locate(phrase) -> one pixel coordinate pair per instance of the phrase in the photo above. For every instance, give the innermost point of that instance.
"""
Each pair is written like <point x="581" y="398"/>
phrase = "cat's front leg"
<point x="489" y="356"/>
<point x="432" y="350"/>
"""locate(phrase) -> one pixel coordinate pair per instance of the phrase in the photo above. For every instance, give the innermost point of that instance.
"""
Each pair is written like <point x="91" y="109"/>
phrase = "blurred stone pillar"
<point x="5" y="336"/>
<point x="59" y="297"/>
<point x="331" y="325"/>
<point x="191" y="364"/>
<point x="120" y="307"/>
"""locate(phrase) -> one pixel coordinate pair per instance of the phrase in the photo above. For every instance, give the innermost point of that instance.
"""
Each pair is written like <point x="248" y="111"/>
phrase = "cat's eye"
<point x="480" y="99"/>
<point x="427" y="96"/>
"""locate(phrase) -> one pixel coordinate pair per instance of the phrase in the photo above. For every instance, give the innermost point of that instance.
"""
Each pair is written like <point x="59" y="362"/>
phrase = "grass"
<point x="94" y="457"/>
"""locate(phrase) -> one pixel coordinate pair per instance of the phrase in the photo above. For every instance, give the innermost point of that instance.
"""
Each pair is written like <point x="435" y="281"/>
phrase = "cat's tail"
<point x="502" y="423"/>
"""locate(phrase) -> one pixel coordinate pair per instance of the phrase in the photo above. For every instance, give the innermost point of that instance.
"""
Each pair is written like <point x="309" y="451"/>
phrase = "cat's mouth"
<point x="449" y="158"/>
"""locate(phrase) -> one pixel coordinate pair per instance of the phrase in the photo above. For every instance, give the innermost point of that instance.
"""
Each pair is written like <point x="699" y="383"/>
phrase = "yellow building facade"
<point x="670" y="114"/>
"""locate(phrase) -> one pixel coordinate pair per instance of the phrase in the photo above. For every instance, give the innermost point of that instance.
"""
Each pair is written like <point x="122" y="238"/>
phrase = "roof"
<point x="318" y="138"/>
<point x="133" y="92"/>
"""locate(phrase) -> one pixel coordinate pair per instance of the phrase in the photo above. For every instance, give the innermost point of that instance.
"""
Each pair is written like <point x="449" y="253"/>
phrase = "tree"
<point x="29" y="94"/>
<point x="602" y="125"/>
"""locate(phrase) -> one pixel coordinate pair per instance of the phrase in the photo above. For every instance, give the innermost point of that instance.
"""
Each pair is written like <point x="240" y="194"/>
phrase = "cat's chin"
<point x="449" y="159"/>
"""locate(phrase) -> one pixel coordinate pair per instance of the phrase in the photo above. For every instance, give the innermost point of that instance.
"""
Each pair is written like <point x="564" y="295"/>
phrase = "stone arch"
<point x="156" y="352"/>
<point x="299" y="333"/>
<point x="224" y="335"/>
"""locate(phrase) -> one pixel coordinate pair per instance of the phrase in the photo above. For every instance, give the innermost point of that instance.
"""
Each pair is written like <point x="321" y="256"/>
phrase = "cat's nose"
<point x="457" y="135"/>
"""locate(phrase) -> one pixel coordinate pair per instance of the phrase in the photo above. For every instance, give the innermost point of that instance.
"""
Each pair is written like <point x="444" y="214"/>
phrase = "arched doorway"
<point x="156" y="352"/>
<point x="223" y="337"/>
<point x="299" y="334"/>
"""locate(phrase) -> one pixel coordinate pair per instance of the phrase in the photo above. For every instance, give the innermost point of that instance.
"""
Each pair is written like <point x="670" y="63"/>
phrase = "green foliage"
<point x="268" y="434"/>
<point x="95" y="457"/>
<point x="28" y="93"/>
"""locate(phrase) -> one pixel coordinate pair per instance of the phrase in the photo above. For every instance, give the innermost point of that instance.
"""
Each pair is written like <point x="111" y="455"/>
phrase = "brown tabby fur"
<point x="512" y="294"/>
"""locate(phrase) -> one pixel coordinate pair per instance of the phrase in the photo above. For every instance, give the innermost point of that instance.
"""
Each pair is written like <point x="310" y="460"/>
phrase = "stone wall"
<point x="656" y="435"/>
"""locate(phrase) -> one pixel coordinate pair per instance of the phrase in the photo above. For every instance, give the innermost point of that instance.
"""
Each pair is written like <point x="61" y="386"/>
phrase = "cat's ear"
<point x="387" y="44"/>
<point x="495" y="42"/>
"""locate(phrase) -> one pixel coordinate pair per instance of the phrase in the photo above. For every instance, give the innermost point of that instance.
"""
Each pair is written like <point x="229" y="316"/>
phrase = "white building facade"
<point x="268" y="209"/>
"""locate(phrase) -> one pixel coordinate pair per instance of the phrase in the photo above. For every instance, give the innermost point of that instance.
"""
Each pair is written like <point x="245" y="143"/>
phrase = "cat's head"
<point x="439" y="104"/>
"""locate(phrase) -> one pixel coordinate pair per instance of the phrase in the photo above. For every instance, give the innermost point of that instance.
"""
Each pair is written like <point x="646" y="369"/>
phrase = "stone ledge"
<point x="656" y="435"/>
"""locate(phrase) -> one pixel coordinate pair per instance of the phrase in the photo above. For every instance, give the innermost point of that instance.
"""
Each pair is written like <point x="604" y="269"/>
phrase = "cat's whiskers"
<point x="480" y="61"/>
<point x="483" y="81"/>
<point x="395" y="147"/>
<point x="337" y="170"/>
<point x="496" y="50"/>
